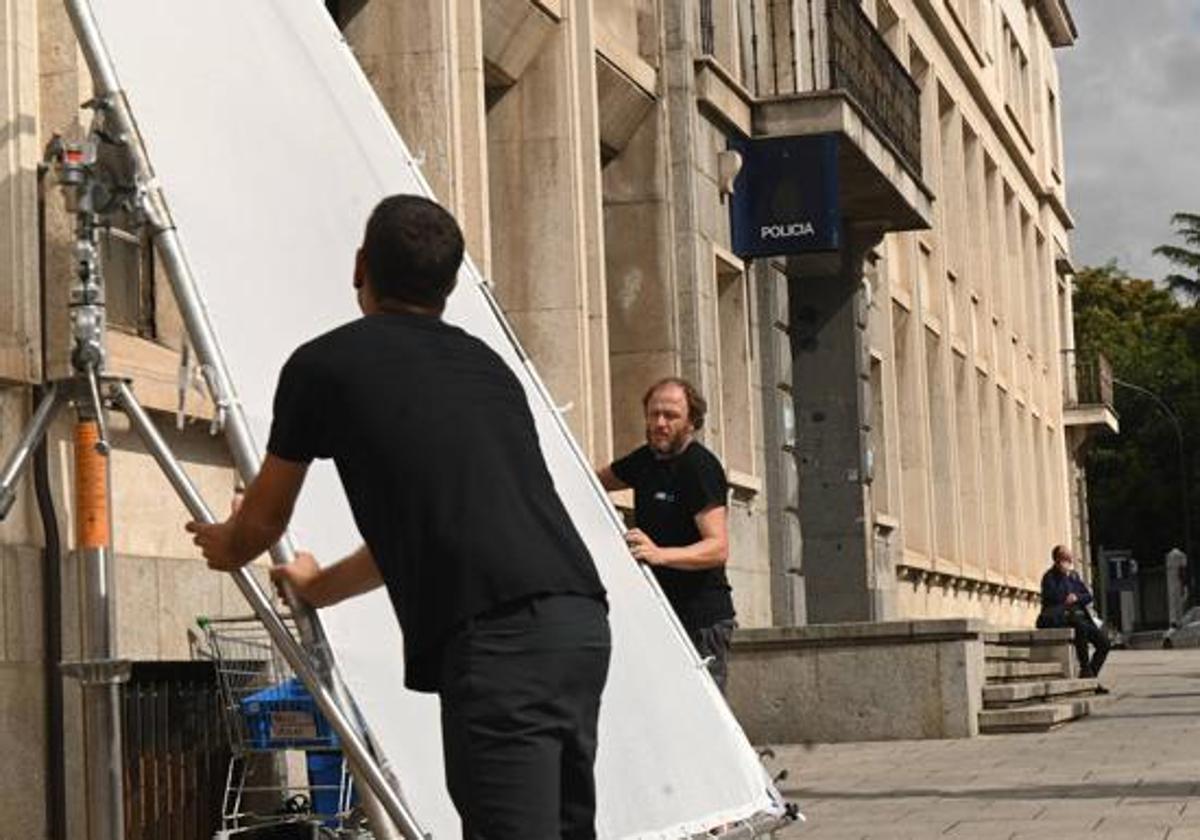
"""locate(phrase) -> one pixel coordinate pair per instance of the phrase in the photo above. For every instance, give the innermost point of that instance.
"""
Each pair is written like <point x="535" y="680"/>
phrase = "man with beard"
<point x="679" y="508"/>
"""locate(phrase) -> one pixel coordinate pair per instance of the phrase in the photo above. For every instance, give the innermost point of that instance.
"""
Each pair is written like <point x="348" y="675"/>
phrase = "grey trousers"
<point x="712" y="643"/>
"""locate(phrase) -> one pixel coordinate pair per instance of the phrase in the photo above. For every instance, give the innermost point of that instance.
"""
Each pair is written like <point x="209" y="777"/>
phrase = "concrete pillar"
<point x="64" y="83"/>
<point x="472" y="159"/>
<point x="830" y="390"/>
<point x="547" y="242"/>
<point x="1177" y="584"/>
<point x="409" y="51"/>
<point x="696" y="342"/>
<point x="643" y="339"/>
<point x="19" y="359"/>
<point x="785" y="539"/>
<point x="425" y="62"/>
<point x="22" y="652"/>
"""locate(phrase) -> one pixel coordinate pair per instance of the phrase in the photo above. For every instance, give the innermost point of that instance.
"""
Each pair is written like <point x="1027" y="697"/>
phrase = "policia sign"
<point x="785" y="198"/>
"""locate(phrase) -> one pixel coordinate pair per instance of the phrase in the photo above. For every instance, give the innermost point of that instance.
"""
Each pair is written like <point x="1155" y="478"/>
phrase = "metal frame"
<point x="313" y="666"/>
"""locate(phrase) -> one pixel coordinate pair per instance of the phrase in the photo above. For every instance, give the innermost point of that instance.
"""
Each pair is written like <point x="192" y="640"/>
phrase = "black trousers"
<point x="520" y="699"/>
<point x="1086" y="633"/>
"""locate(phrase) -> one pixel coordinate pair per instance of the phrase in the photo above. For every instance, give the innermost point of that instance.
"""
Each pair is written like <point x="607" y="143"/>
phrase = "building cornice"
<point x="1057" y="20"/>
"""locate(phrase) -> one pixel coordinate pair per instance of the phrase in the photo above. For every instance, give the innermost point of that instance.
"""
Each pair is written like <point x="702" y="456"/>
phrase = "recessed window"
<point x="735" y="364"/>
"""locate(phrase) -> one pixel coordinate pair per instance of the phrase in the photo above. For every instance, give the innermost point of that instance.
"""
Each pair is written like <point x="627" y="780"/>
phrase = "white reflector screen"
<point x="271" y="150"/>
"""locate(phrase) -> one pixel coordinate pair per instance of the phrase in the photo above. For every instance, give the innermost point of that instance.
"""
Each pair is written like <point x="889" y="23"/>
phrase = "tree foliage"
<point x="1187" y="225"/>
<point x="1135" y="478"/>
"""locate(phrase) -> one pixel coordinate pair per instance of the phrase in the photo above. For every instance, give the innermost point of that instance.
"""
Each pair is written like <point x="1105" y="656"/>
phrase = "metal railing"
<point x="1087" y="379"/>
<point x="175" y="751"/>
<point x="862" y="64"/>
<point x="793" y="47"/>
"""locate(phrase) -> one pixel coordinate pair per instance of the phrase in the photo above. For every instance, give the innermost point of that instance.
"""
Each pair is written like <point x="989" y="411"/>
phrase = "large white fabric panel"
<point x="271" y="150"/>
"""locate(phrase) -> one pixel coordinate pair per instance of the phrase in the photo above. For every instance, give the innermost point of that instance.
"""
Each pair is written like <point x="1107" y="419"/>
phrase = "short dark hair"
<point x="696" y="404"/>
<point x="413" y="248"/>
<point x="1057" y="553"/>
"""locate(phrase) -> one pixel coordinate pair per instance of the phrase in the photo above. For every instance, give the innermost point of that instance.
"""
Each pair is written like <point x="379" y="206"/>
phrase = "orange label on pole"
<point x="91" y="488"/>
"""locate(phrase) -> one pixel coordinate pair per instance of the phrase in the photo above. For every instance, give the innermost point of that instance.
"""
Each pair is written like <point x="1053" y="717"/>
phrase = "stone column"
<point x="696" y="336"/>
<point x="23" y="721"/>
<point x="827" y="307"/>
<point x="547" y="242"/>
<point x="641" y="298"/>
<point x="409" y="51"/>
<point x="19" y="356"/>
<point x="64" y="83"/>
<point x="785" y="539"/>
<point x="472" y="157"/>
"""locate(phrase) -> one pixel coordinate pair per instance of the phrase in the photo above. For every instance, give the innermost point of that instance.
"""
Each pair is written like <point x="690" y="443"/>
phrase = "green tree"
<point x="1187" y="225"/>
<point x="1135" y="478"/>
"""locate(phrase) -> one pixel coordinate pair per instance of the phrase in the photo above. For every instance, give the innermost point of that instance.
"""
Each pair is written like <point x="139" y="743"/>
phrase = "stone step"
<point x="1039" y="718"/>
<point x="1006" y="695"/>
<point x="1009" y="671"/>
<point x="1006" y="652"/>
<point x="1025" y="638"/>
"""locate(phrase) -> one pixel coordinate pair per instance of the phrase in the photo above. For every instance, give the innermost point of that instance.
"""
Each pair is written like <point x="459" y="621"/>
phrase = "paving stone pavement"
<point x="1131" y="771"/>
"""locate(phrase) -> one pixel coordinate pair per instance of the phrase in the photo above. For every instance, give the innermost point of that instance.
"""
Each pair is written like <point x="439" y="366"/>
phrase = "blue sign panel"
<point x="785" y="198"/>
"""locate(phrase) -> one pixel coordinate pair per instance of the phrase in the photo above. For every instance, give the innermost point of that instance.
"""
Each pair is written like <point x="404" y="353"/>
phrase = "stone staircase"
<point x="1030" y="684"/>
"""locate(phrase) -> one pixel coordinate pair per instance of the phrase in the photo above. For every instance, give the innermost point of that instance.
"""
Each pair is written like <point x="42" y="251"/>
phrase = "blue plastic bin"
<point x="285" y="716"/>
<point x="325" y="771"/>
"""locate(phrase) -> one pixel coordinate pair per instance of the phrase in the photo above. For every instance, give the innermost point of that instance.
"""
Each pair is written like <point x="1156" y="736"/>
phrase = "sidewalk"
<point x="1131" y="770"/>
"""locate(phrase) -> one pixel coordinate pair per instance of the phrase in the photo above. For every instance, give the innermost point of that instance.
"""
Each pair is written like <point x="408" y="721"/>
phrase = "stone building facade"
<point x="924" y="408"/>
<point x="898" y="418"/>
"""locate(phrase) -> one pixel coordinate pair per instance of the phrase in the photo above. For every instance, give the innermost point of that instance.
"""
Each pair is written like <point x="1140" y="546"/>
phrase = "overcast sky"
<point x="1131" y="114"/>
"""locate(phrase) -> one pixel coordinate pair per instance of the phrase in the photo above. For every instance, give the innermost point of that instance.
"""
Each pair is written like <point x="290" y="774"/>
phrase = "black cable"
<point x="56" y="770"/>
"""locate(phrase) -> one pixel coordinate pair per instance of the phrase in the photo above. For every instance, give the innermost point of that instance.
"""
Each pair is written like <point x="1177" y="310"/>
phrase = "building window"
<point x="888" y="24"/>
<point x="1054" y="135"/>
<point x="911" y="412"/>
<point x="1016" y="79"/>
<point x="127" y="256"/>
<point x="1010" y="283"/>
<point x="968" y="14"/>
<point x="734" y="367"/>
<point x="941" y="432"/>
<point x="970" y="507"/>
<point x="950" y="187"/>
<point x="1029" y="309"/>
<point x="991" y="551"/>
<point x="974" y="215"/>
<point x="129" y="281"/>
<point x="880" y="490"/>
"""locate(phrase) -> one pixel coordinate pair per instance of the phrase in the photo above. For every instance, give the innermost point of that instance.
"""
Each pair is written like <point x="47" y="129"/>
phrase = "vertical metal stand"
<point x="99" y="671"/>
<point x="379" y="790"/>
<point x="89" y="391"/>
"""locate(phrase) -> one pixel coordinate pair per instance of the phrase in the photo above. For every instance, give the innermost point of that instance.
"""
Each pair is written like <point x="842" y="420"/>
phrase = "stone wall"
<point x="858" y="682"/>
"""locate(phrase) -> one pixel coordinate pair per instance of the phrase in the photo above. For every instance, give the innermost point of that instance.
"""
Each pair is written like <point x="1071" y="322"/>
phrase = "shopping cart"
<point x="286" y="764"/>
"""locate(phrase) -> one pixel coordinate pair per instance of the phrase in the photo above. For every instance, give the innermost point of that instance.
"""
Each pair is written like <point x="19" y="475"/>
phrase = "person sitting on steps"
<point x="1065" y="598"/>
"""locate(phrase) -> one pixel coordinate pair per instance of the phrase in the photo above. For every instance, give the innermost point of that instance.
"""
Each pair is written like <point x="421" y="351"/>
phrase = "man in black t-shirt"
<point x="503" y="613"/>
<point x="679" y="507"/>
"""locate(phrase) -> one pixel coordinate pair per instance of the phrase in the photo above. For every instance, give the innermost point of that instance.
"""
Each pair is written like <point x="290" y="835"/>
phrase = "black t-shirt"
<point x="667" y="495"/>
<point x="438" y="454"/>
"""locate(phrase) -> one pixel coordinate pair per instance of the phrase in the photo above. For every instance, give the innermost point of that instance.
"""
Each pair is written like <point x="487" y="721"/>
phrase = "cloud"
<point x="1131" y="127"/>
